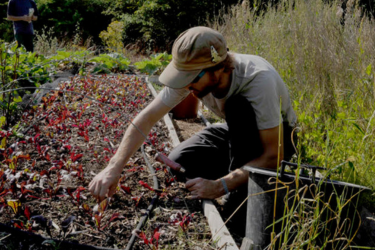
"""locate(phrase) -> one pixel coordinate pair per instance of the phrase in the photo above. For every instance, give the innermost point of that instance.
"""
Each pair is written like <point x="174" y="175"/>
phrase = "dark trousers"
<point x="26" y="40"/>
<point x="216" y="150"/>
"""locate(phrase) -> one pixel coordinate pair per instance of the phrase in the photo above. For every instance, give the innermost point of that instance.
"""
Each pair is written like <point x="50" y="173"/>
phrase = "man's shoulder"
<point x="249" y="66"/>
<point x="251" y="59"/>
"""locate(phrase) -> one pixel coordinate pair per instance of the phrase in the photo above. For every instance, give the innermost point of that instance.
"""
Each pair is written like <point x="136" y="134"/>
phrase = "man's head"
<point x="195" y="49"/>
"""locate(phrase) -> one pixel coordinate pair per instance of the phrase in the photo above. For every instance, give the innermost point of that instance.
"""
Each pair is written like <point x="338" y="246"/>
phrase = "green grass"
<point x="328" y="66"/>
<point x="329" y="70"/>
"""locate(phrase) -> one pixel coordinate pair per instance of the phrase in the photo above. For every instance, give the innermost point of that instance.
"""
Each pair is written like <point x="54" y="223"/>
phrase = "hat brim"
<point x="177" y="79"/>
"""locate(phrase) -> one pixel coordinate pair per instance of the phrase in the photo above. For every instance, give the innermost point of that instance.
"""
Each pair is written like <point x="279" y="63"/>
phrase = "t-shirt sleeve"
<point x="171" y="97"/>
<point x="12" y="8"/>
<point x="265" y="100"/>
<point x="36" y="13"/>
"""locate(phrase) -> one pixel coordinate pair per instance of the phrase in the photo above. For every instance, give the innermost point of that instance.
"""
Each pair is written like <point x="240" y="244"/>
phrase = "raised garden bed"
<point x="49" y="159"/>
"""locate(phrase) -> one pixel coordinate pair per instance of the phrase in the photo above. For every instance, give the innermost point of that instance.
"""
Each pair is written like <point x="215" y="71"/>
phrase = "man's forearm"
<point x="240" y="177"/>
<point x="16" y="18"/>
<point x="22" y="18"/>
<point x="131" y="142"/>
<point x="136" y="132"/>
<point x="233" y="180"/>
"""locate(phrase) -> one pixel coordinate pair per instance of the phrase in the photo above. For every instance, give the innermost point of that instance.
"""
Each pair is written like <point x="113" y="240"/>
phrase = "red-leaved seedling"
<point x="76" y="197"/>
<point x="99" y="214"/>
<point x="124" y="189"/>
<point x="27" y="212"/>
<point x="4" y="192"/>
<point x="137" y="199"/>
<point x="17" y="224"/>
<point x="46" y="173"/>
<point x="75" y="157"/>
<point x="146" y="185"/>
<point x="13" y="189"/>
<point x="114" y="217"/>
<point x="24" y="191"/>
<point x="153" y="242"/>
<point x="87" y="209"/>
<point x="158" y="192"/>
<point x="140" y="234"/>
<point x="183" y="221"/>
<point x="80" y="172"/>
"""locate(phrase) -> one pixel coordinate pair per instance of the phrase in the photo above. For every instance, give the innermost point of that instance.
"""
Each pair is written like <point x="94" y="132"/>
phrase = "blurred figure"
<point x="23" y="13"/>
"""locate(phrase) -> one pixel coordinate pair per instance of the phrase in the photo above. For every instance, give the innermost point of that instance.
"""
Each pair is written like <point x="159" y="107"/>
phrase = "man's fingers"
<point x="192" y="197"/>
<point x="190" y="183"/>
<point x="112" y="191"/>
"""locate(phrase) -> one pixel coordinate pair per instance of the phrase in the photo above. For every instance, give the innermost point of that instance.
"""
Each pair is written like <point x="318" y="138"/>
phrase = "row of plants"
<point x="50" y="157"/>
<point x="21" y="69"/>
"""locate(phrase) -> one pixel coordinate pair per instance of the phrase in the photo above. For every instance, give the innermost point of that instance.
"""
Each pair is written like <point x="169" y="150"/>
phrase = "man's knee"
<point x="205" y="154"/>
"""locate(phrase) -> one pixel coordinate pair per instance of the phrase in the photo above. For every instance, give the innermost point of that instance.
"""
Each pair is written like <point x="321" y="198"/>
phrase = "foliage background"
<point x="149" y="25"/>
<point x="324" y="50"/>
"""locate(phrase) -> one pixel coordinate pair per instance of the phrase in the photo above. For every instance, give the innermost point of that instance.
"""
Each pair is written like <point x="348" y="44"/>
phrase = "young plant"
<point x="153" y="242"/>
<point x="98" y="215"/>
<point x="182" y="221"/>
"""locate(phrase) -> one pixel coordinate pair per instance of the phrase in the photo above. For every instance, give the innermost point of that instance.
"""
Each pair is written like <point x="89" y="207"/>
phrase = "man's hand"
<point x="27" y="18"/>
<point x="105" y="183"/>
<point x="205" y="189"/>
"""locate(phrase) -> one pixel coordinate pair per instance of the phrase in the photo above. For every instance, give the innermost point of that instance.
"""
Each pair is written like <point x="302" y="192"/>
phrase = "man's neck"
<point x="224" y="85"/>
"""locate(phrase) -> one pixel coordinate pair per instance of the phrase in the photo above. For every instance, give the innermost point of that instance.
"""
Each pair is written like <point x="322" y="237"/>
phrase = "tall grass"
<point x="328" y="65"/>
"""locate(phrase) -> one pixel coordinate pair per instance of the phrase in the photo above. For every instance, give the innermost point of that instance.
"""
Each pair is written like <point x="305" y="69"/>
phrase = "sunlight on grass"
<point x="328" y="65"/>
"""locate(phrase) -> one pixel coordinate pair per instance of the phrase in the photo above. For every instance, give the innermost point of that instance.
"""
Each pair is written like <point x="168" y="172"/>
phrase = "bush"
<point x="155" y="65"/>
<point x="63" y="16"/>
<point x="6" y="27"/>
<point x="154" y="25"/>
<point x="112" y="38"/>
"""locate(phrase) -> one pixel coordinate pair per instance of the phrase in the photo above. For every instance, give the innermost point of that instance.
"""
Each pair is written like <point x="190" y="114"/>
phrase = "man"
<point x="244" y="89"/>
<point x="23" y="13"/>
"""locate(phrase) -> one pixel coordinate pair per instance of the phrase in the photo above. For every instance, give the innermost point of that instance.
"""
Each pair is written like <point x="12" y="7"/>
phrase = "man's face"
<point x="205" y="85"/>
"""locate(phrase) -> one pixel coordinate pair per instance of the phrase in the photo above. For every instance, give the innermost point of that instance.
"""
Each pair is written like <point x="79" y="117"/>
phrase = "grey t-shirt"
<point x="255" y="79"/>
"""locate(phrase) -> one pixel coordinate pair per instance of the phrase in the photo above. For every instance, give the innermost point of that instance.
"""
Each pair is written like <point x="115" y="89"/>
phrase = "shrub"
<point x="112" y="38"/>
<point x="155" y="65"/>
<point x="63" y="16"/>
<point x="154" y="25"/>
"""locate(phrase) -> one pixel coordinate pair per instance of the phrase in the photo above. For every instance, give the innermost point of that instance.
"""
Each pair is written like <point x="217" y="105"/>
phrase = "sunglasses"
<point x="196" y="79"/>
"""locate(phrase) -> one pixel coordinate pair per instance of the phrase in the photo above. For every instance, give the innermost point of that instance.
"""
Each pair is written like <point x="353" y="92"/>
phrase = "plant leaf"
<point x="116" y="216"/>
<point x="125" y="189"/>
<point x="146" y="185"/>
<point x="14" y="204"/>
<point x="103" y="206"/>
<point x="27" y="212"/>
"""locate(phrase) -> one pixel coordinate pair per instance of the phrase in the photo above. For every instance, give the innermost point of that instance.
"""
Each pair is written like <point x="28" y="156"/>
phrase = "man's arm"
<point x="105" y="183"/>
<point x="21" y="18"/>
<point x="273" y="151"/>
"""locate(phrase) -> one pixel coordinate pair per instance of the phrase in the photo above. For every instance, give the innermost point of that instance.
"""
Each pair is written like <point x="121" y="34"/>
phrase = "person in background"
<point x="23" y="13"/>
<point x="243" y="89"/>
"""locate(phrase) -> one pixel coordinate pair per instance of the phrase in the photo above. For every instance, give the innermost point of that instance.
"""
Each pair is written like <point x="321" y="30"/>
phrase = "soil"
<point x="59" y="146"/>
<point x="187" y="127"/>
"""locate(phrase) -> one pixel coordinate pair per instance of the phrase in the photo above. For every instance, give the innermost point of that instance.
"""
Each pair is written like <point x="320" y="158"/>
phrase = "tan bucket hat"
<point x="195" y="49"/>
